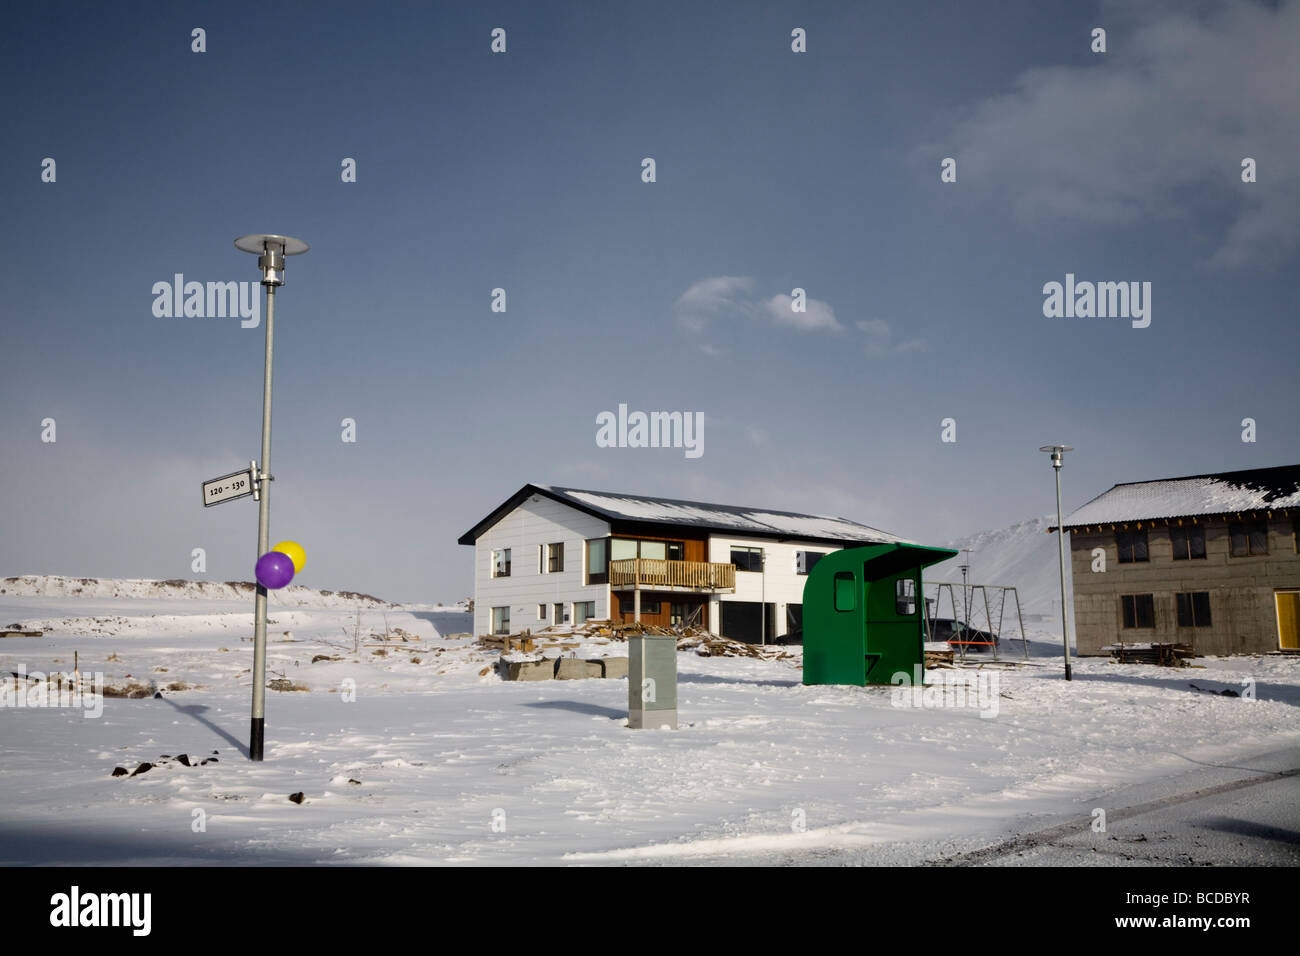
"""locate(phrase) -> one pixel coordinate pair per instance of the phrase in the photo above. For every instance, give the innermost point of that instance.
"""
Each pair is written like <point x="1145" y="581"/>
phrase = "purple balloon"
<point x="274" y="570"/>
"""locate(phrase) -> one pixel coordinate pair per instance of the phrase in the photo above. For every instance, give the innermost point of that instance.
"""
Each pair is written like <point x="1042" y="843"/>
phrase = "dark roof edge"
<point x="1196" y="516"/>
<point x="471" y="536"/>
<point x="1226" y="475"/>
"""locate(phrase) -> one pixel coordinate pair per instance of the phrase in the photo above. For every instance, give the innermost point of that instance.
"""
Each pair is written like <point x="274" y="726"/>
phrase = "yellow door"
<point x="1288" y="619"/>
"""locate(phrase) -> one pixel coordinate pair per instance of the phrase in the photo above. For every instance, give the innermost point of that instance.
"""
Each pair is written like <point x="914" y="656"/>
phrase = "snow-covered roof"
<point x="620" y="508"/>
<point x="1227" y="492"/>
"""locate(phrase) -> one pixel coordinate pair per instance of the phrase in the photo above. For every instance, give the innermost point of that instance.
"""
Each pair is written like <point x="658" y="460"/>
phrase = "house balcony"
<point x="662" y="575"/>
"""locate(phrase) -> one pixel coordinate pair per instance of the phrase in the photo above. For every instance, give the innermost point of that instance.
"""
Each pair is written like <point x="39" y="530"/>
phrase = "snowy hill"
<point x="1023" y="556"/>
<point x="55" y="585"/>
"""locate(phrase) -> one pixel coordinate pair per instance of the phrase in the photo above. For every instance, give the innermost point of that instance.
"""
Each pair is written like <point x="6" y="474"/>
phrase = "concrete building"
<point x="1212" y="561"/>
<point x="562" y="555"/>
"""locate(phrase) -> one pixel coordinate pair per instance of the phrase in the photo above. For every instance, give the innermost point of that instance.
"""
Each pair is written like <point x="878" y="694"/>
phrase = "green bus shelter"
<point x="863" y="614"/>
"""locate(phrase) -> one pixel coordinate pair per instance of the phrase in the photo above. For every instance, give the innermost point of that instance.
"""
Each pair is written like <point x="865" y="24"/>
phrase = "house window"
<point x="1132" y="546"/>
<point x="541" y="612"/>
<point x="555" y="557"/>
<point x="1188" y="542"/>
<point x="598" y="561"/>
<point x="845" y="591"/>
<point x="628" y="606"/>
<point x="1139" y="610"/>
<point x="905" y="597"/>
<point x="676" y="551"/>
<point x="1248" y="537"/>
<point x="805" y="561"/>
<point x="583" y="611"/>
<point x="559" y="614"/>
<point x="747" y="559"/>
<point x="501" y="620"/>
<point x="501" y="563"/>
<point x="794" y="621"/>
<point x="676" y="615"/>
<point x="1194" y="609"/>
<point x="653" y="550"/>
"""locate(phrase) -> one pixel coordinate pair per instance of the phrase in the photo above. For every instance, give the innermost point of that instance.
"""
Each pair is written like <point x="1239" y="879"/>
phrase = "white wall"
<point x="783" y="586"/>
<point x="537" y="521"/>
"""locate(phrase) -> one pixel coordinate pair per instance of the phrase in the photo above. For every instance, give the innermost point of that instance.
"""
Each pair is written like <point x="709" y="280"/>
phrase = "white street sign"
<point x="228" y="487"/>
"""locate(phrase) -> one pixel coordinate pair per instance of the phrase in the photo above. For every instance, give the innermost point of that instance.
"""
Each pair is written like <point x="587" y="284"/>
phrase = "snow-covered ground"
<point x="437" y="761"/>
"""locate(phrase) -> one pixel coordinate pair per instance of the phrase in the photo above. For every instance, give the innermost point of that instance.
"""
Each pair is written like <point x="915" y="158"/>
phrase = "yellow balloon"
<point x="295" y="552"/>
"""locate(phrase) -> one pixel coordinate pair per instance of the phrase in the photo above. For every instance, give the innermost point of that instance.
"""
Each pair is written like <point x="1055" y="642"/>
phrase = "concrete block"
<point x="530" y="670"/>
<point x="571" y="668"/>
<point x="615" y="666"/>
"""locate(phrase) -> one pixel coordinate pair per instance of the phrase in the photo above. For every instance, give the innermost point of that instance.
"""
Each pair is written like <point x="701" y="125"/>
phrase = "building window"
<point x="652" y="550"/>
<point x="501" y="620"/>
<point x="845" y="591"/>
<point x="905" y="597"/>
<point x="559" y="614"/>
<point x="747" y="559"/>
<point x="676" y="551"/>
<point x="1188" y="542"/>
<point x="805" y="561"/>
<point x="501" y="563"/>
<point x="598" y="561"/>
<point x="541" y="612"/>
<point x="1132" y="546"/>
<point x="685" y="615"/>
<point x="1139" y="610"/>
<point x="628" y="606"/>
<point x="1194" y="609"/>
<point x="1248" y="537"/>
<point x="555" y="558"/>
<point x="583" y="611"/>
<point x="621" y="549"/>
<point x="794" y="622"/>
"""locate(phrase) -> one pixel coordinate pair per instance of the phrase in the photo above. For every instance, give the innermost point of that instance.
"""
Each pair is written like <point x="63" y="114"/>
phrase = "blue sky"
<point x="775" y="170"/>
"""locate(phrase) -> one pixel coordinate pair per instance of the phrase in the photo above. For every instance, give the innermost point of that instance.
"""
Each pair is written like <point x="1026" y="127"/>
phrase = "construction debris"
<point x="1161" y="655"/>
<point x="591" y="649"/>
<point x="938" y="659"/>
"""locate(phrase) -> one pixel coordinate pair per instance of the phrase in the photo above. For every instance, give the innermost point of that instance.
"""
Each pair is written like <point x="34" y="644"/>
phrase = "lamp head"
<point x="1057" y="451"/>
<point x="270" y="251"/>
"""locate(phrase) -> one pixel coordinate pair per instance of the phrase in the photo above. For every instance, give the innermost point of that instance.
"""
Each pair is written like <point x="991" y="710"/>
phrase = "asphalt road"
<point x="1245" y="814"/>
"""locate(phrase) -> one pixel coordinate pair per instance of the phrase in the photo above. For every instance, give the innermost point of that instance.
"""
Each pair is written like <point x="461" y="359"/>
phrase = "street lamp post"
<point x="1057" y="453"/>
<point x="270" y="250"/>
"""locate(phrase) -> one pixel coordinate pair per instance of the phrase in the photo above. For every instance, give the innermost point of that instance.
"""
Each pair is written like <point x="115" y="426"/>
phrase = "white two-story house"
<point x="551" y="555"/>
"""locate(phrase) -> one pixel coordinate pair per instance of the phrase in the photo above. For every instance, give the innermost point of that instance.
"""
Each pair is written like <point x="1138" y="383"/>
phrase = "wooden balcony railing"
<point x="654" y="572"/>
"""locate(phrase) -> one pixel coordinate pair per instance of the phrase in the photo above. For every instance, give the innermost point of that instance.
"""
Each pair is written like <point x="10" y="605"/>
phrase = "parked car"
<point x="956" y="633"/>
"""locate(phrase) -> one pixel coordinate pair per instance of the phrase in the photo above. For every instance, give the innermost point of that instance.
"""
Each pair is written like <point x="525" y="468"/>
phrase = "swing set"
<point x="965" y="636"/>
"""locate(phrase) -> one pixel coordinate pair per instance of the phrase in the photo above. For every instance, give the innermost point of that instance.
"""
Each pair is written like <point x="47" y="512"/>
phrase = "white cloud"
<point x="816" y="315"/>
<point x="719" y="297"/>
<point x="880" y="339"/>
<point x="710" y="298"/>
<point x="1156" y="128"/>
